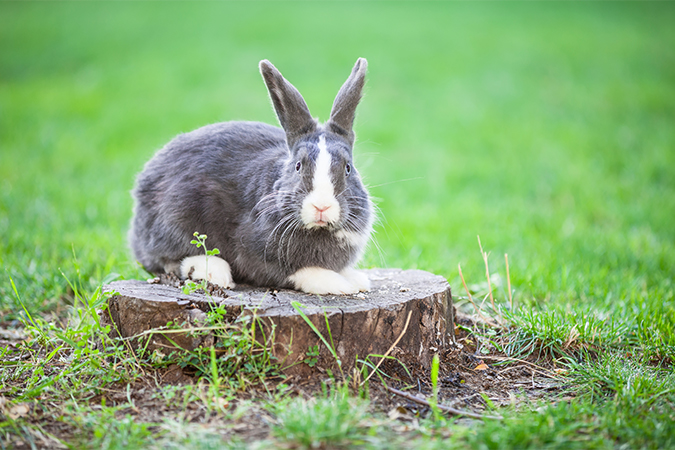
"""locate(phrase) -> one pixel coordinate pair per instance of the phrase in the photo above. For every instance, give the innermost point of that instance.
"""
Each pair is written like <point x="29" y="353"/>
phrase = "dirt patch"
<point x="467" y="382"/>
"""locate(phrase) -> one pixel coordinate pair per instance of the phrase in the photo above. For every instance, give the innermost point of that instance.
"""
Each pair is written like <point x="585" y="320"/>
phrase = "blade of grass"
<point x="297" y="306"/>
<point x="405" y="328"/>
<point x="508" y="280"/>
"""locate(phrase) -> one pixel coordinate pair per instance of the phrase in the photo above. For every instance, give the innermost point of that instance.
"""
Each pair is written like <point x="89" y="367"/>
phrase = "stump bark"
<point x="360" y="325"/>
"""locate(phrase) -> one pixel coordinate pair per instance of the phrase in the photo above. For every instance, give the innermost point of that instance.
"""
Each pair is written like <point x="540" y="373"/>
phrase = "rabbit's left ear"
<point x="344" y="107"/>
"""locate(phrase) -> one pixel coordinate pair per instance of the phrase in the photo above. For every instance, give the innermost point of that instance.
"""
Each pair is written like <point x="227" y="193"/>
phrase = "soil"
<point x="466" y="380"/>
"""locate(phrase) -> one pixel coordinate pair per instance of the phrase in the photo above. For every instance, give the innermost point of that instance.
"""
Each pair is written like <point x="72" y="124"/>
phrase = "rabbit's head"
<point x="320" y="184"/>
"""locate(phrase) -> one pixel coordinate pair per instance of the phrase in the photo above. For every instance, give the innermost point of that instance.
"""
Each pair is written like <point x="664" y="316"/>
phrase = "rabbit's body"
<point x="284" y="207"/>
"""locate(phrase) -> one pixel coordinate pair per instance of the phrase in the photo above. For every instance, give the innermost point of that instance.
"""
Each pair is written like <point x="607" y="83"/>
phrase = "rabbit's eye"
<point x="348" y="170"/>
<point x="298" y="166"/>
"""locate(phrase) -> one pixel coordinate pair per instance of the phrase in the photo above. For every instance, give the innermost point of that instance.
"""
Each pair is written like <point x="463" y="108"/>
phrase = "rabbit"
<point x="285" y="206"/>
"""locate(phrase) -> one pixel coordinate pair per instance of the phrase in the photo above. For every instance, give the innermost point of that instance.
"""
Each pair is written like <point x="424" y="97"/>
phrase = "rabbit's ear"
<point x="344" y="107"/>
<point x="291" y="109"/>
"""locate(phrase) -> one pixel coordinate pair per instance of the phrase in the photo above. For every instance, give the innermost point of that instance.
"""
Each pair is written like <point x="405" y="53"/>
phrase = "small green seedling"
<point x="312" y="355"/>
<point x="200" y="241"/>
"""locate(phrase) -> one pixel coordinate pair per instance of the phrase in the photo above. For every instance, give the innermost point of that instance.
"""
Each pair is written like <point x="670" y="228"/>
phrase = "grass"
<point x="333" y="420"/>
<point x="545" y="128"/>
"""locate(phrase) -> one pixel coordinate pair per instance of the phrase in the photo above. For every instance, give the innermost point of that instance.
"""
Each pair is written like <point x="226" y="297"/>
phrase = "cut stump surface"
<point x="360" y="325"/>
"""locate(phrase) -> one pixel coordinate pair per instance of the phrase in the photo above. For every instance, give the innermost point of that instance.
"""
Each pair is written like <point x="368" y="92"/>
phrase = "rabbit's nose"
<point x="321" y="208"/>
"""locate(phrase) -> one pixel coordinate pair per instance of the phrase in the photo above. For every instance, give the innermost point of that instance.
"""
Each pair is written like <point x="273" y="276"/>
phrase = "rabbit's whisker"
<point x="286" y="219"/>
<point x="295" y="226"/>
<point x="272" y="199"/>
<point x="394" y="182"/>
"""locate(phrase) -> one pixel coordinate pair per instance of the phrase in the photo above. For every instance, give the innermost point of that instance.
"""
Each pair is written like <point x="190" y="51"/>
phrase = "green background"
<point x="545" y="128"/>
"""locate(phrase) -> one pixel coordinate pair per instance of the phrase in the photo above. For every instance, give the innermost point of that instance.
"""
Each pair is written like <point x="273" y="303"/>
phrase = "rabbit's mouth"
<point x="319" y="223"/>
<point x="322" y="218"/>
<point x="318" y="213"/>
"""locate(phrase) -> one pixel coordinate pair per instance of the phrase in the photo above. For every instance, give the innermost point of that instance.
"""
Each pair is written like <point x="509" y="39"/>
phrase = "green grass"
<point x="545" y="128"/>
<point x="333" y="420"/>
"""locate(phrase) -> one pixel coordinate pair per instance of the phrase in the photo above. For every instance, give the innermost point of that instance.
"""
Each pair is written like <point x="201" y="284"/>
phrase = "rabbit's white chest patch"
<point x="320" y="208"/>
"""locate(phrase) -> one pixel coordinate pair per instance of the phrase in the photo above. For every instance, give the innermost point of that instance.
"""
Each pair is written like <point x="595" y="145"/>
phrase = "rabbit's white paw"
<point x="357" y="278"/>
<point x="315" y="280"/>
<point x="218" y="270"/>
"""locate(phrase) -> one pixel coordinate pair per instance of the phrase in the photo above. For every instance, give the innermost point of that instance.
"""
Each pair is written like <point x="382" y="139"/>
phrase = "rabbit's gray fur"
<point x="237" y="183"/>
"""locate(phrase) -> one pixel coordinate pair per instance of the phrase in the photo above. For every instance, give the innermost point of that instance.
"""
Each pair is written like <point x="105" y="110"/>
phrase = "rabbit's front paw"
<point x="357" y="278"/>
<point x="315" y="280"/>
<point x="219" y="272"/>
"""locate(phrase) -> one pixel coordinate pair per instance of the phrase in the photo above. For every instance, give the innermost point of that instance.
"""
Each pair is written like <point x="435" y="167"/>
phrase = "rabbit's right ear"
<point x="291" y="109"/>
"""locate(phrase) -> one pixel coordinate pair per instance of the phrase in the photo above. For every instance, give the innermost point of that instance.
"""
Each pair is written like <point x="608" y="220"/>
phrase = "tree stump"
<point x="364" y="324"/>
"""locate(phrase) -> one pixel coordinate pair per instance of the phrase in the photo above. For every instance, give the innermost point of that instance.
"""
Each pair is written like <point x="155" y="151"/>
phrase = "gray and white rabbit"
<point x="286" y="208"/>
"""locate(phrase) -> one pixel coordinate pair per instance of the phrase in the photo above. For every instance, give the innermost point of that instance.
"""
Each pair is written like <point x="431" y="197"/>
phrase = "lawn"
<point x="544" y="128"/>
